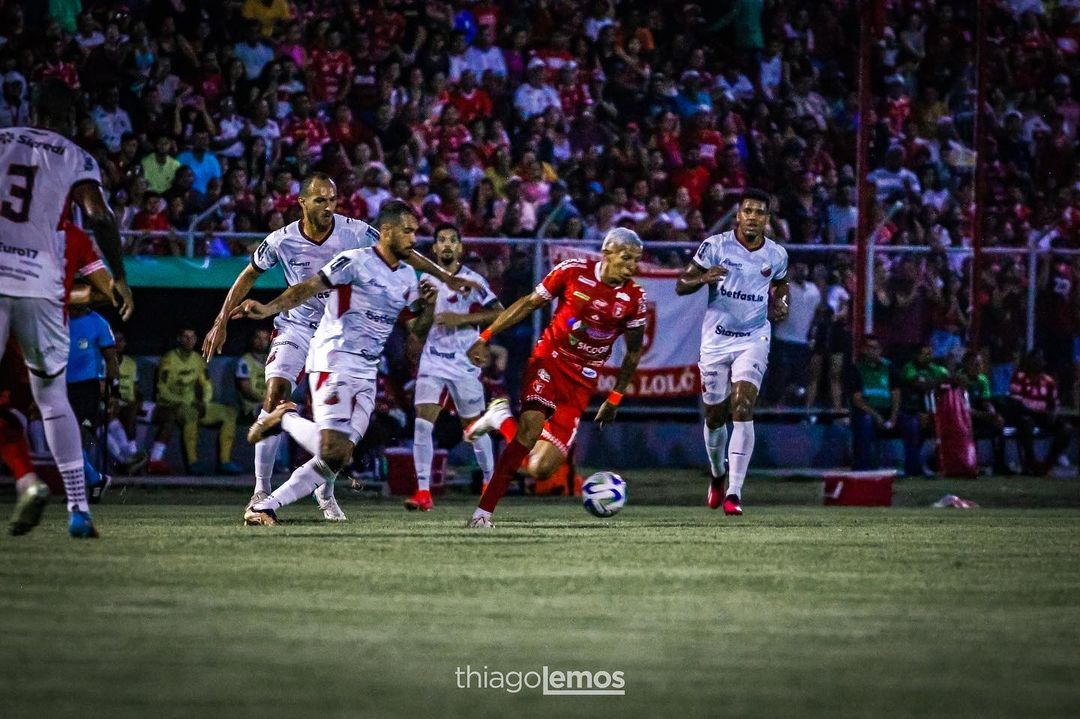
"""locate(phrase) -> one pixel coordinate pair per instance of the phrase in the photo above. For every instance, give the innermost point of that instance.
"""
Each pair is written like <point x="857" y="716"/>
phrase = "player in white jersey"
<point x="301" y="248"/>
<point x="747" y="277"/>
<point x="371" y="287"/>
<point x="445" y="367"/>
<point x="42" y="174"/>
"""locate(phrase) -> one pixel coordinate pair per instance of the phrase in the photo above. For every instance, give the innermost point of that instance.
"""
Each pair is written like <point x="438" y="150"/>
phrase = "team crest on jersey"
<point x="538" y="387"/>
<point x="618" y="310"/>
<point x="766" y="269"/>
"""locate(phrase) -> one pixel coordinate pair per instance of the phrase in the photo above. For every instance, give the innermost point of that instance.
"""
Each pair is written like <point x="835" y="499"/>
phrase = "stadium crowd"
<point x="563" y="119"/>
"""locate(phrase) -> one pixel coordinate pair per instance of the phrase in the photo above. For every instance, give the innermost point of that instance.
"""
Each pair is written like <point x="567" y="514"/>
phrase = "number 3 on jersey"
<point x="23" y="192"/>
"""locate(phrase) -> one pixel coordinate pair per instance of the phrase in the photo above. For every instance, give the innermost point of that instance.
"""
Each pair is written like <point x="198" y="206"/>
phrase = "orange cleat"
<point x="421" y="500"/>
<point x="732" y="505"/>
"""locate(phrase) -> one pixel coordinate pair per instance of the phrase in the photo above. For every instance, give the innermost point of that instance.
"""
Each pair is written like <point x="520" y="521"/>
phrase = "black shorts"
<point x="85" y="398"/>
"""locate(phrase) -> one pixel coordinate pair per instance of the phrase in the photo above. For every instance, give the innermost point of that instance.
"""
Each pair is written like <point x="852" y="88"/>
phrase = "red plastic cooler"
<point x="401" y="473"/>
<point x="871" y="488"/>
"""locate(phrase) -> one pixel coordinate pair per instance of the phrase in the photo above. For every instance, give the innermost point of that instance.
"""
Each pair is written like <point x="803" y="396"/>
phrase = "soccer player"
<point x="302" y="248"/>
<point x="368" y="288"/>
<point x="743" y="270"/>
<point x="43" y="173"/>
<point x="598" y="301"/>
<point x="445" y="368"/>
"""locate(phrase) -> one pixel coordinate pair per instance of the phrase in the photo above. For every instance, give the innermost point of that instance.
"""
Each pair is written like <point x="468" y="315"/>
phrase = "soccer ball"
<point x="603" y="494"/>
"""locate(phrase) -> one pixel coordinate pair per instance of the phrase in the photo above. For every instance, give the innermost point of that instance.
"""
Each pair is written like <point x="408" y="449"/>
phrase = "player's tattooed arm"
<point x="215" y="338"/>
<point x="694" y="278"/>
<point x="635" y="343"/>
<point x="100" y="219"/>
<point x="421" y="324"/>
<point x="458" y="284"/>
<point x="292" y="297"/>
<point x="778" y="307"/>
<point x="509" y="317"/>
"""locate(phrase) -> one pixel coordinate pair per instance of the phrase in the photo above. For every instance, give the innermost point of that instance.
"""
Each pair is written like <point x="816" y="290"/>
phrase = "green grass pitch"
<point x="791" y="610"/>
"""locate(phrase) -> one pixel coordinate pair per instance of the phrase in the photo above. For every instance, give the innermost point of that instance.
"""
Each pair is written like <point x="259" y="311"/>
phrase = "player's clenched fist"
<point x="714" y="274"/>
<point x="479" y="353"/>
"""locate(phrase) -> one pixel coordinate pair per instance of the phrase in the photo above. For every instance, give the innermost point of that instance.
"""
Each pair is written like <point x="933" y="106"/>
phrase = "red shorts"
<point x="561" y="391"/>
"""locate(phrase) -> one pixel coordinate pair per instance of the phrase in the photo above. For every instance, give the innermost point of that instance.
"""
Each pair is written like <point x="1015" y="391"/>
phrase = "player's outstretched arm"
<point x="215" y="338"/>
<point x="635" y="343"/>
<point x="693" y="278"/>
<point x="481" y="318"/>
<point x="292" y="297"/>
<point x="509" y="317"/>
<point x="419" y="262"/>
<point x="421" y="324"/>
<point x="100" y="218"/>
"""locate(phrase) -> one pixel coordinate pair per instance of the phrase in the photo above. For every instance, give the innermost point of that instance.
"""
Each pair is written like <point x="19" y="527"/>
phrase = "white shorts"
<point x="467" y="393"/>
<point x="742" y="364"/>
<point x="39" y="325"/>
<point x="342" y="402"/>
<point x="288" y="351"/>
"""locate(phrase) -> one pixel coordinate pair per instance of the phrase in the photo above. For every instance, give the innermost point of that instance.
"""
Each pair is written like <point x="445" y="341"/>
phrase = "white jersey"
<point x="364" y="306"/>
<point x="446" y="347"/>
<point x="738" y="311"/>
<point x="301" y="258"/>
<point x="38" y="169"/>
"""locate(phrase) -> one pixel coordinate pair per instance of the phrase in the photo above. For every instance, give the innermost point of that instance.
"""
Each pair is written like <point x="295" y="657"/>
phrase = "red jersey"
<point x="1037" y="393"/>
<point x="591" y="314"/>
<point x="331" y="70"/>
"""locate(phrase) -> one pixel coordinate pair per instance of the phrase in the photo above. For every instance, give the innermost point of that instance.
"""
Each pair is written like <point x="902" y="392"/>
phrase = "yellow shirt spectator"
<point x="266" y="13"/>
<point x="178" y="375"/>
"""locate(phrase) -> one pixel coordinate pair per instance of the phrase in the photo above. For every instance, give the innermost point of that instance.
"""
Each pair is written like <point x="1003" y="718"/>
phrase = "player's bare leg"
<point x="544" y="460"/>
<point x="278" y="390"/>
<point x="423" y="455"/>
<point x="528" y="432"/>
<point x="716" y="440"/>
<point x="334" y="452"/>
<point x="741" y="448"/>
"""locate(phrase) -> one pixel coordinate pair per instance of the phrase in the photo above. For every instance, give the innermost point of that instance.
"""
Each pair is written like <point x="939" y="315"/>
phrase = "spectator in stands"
<point x="875" y="404"/>
<point x="112" y="121"/>
<point x="14" y="102"/>
<point x="790" y="356"/>
<point x="986" y="421"/>
<point x="202" y="162"/>
<point x="124" y="412"/>
<point x="535" y="96"/>
<point x="919" y="377"/>
<point x="185" y="391"/>
<point x="1033" y="404"/>
<point x="250" y="375"/>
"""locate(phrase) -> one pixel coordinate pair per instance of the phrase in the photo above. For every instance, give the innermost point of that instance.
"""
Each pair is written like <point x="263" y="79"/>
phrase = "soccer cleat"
<point x="480" y="523"/>
<point x="732" y="505"/>
<point x="158" y="468"/>
<point x="420" y="500"/>
<point x="266" y="517"/>
<point x="716" y="493"/>
<point x="331" y="510"/>
<point x="29" y="508"/>
<point x="486" y="423"/>
<point x="231" y="468"/>
<point x="97" y="491"/>
<point x="81" y="526"/>
<point x="256" y="498"/>
<point x="269" y="425"/>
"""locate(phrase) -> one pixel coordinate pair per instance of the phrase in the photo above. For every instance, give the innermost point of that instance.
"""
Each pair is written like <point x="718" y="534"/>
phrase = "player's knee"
<point x="742" y="409"/>
<point x="334" y="453"/>
<point x="276" y="393"/>
<point x="716" y="415"/>
<point x="543" y="464"/>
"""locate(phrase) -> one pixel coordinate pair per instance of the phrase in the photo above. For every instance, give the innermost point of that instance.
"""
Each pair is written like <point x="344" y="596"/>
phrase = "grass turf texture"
<point x="791" y="610"/>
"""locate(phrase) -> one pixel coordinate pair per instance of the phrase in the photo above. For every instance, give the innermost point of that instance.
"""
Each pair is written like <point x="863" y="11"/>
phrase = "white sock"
<point x="24" y="482"/>
<point x="157" y="452"/>
<point x="265" y="454"/>
<point x="715" y="447"/>
<point x="481" y="513"/>
<point x="117" y="440"/>
<point x="303" y="482"/>
<point x="62" y="435"/>
<point x="423" y="453"/>
<point x="304" y="431"/>
<point x="325" y="492"/>
<point x="484" y="456"/>
<point x="74" y="486"/>
<point x="739" y="452"/>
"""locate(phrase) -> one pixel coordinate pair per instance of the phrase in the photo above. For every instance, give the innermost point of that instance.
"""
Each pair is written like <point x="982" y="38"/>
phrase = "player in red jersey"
<point x="598" y="302"/>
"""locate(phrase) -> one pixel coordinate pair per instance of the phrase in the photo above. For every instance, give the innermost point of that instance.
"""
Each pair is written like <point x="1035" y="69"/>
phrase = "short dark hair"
<point x="53" y="101"/>
<point x="305" y="185"/>
<point x="393" y="212"/>
<point x="447" y="226"/>
<point x="752" y="193"/>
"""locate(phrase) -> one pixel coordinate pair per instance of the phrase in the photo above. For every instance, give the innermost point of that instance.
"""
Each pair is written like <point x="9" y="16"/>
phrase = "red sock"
<point x="14" y="449"/>
<point x="509" y="461"/>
